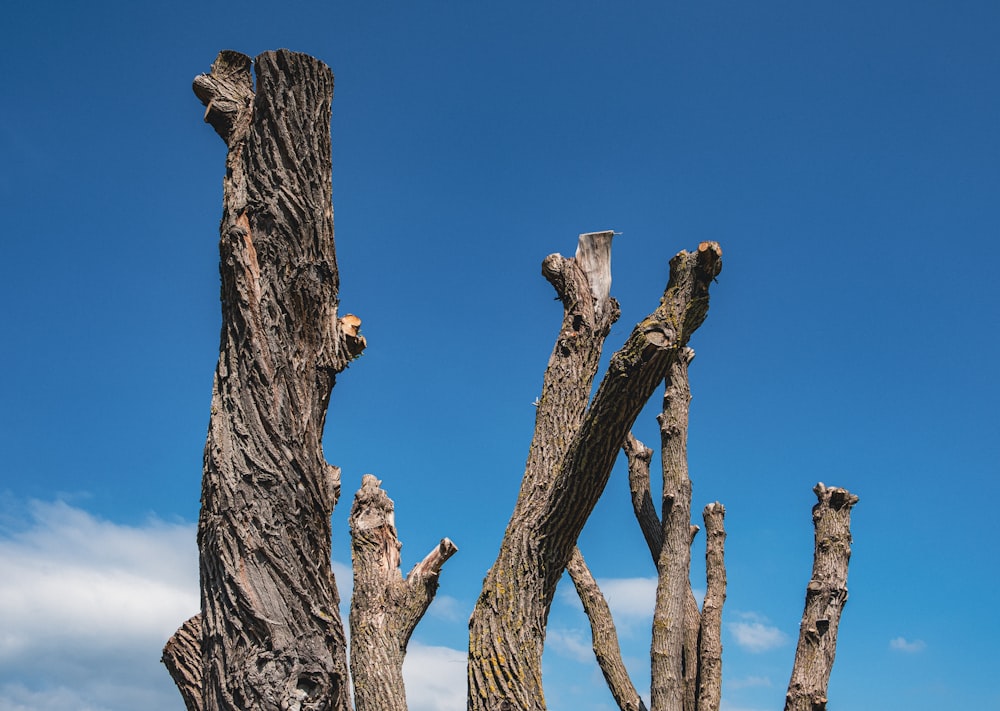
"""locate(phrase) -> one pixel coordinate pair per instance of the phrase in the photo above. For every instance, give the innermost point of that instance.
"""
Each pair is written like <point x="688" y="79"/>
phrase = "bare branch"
<point x="605" y="638"/>
<point x="674" y="563"/>
<point x="385" y="607"/>
<point x="639" y="457"/>
<point x="710" y="637"/>
<point x="182" y="658"/>
<point x="826" y="596"/>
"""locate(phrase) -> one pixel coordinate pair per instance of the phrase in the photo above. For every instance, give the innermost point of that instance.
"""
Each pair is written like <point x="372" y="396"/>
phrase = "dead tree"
<point x="269" y="635"/>
<point x="270" y="630"/>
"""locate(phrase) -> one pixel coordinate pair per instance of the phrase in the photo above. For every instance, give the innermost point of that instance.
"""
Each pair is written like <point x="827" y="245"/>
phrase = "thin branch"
<point x="605" y="638"/>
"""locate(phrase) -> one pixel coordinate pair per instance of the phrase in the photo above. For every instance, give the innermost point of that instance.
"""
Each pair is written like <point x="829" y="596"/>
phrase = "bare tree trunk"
<point x="826" y="596"/>
<point x="571" y="457"/>
<point x="385" y="607"/>
<point x="674" y="562"/>
<point x="604" y="635"/>
<point x="272" y="637"/>
<point x="710" y="633"/>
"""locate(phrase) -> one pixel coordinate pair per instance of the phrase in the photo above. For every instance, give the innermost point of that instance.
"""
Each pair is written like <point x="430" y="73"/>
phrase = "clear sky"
<point x="846" y="156"/>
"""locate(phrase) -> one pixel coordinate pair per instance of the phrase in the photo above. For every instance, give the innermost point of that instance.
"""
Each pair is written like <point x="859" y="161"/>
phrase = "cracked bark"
<point x="571" y="456"/>
<point x="385" y="607"/>
<point x="826" y="595"/>
<point x="272" y="637"/>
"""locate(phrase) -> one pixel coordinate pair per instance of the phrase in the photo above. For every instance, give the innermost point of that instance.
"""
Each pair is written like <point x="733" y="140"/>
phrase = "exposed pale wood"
<point x="826" y="595"/>
<point x="603" y="635"/>
<point x="710" y="637"/>
<point x="571" y="457"/>
<point x="385" y="607"/>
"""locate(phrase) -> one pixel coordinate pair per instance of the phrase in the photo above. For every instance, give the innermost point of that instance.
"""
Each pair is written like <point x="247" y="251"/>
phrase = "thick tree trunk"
<point x="674" y="562"/>
<point x="604" y="635"/>
<point x="385" y="607"/>
<point x="571" y="457"/>
<point x="826" y="596"/>
<point x="710" y="632"/>
<point x="271" y="636"/>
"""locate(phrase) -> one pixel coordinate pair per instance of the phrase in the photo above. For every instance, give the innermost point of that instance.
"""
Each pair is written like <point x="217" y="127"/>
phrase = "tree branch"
<point x="710" y="637"/>
<point x="826" y="596"/>
<point x="674" y="563"/>
<point x="639" y="456"/>
<point x="182" y="658"/>
<point x="385" y="607"/>
<point x="509" y="618"/>
<point x="605" y="638"/>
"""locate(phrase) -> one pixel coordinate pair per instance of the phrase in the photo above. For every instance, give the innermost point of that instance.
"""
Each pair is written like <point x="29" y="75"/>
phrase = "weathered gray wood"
<point x="579" y="445"/>
<point x="385" y="607"/>
<point x="272" y="637"/>
<point x="826" y="596"/>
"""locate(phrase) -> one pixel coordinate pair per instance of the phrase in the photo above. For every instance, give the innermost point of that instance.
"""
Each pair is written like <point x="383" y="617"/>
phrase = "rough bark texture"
<point x="826" y="596"/>
<point x="182" y="658"/>
<point x="692" y="628"/>
<point x="674" y="562"/>
<point x="272" y="637"/>
<point x="710" y="633"/>
<point x="385" y="607"/>
<point x="571" y="457"/>
<point x="604" y="635"/>
<point x="639" y="457"/>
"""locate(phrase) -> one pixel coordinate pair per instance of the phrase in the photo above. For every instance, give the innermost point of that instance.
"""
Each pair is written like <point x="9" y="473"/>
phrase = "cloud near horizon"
<point x="86" y="606"/>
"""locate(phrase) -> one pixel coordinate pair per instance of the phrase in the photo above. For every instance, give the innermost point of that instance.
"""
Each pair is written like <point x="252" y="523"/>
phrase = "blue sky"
<point x="845" y="156"/>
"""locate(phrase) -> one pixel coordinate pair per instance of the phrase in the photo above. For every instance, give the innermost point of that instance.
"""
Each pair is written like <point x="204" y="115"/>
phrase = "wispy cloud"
<point x="754" y="634"/>
<point x="572" y="643"/>
<point x="901" y="644"/>
<point x="96" y="601"/>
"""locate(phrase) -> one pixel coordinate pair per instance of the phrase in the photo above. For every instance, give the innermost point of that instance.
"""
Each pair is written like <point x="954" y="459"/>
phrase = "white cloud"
<point x="85" y="608"/>
<point x="448" y="608"/>
<point x="901" y="644"/>
<point x="630" y="599"/>
<point x="572" y="643"/>
<point x="754" y="634"/>
<point x="435" y="678"/>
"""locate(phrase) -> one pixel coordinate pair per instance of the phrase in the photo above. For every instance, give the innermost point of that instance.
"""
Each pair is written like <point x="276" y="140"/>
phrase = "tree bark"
<point x="674" y="562"/>
<point x="182" y="658"/>
<point x="272" y="637"/>
<point x="826" y="596"/>
<point x="604" y="635"/>
<point x="710" y="633"/>
<point x="385" y="607"/>
<point x="571" y="457"/>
